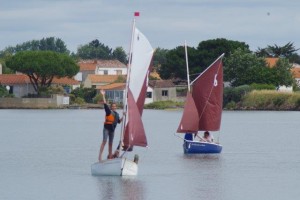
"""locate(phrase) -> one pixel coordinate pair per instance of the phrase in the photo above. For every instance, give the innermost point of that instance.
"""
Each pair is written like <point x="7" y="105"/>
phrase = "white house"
<point x="149" y="95"/>
<point x="100" y="67"/>
<point x="110" y="67"/>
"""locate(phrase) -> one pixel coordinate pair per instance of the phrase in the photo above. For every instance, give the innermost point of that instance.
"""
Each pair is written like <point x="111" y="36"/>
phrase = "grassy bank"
<point x="164" y="105"/>
<point x="269" y="100"/>
<point x="253" y="100"/>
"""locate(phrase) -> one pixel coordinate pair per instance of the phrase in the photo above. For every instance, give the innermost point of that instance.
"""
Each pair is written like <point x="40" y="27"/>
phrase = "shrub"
<point x="85" y="93"/>
<point x="235" y="94"/>
<point x="98" y="98"/>
<point x="256" y="86"/>
<point x="79" y="101"/>
<point x="3" y="92"/>
<point x="163" y="105"/>
<point x="56" y="90"/>
<point x="231" y="105"/>
<point x="297" y="103"/>
<point x="271" y="100"/>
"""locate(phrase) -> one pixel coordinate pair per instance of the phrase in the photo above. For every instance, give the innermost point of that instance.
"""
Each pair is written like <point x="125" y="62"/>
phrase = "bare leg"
<point x="101" y="151"/>
<point x="110" y="151"/>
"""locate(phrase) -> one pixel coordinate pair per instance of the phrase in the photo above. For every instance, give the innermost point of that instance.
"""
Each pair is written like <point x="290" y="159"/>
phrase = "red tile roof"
<point x="104" y="78"/>
<point x="296" y="72"/>
<point x="161" y="83"/>
<point x="271" y="62"/>
<point x="113" y="86"/>
<point x="87" y="66"/>
<point x="13" y="79"/>
<point x="90" y="65"/>
<point x="65" y="81"/>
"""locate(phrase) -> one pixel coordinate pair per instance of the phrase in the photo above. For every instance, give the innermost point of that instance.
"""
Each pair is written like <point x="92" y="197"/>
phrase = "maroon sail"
<point x="190" y="118"/>
<point x="142" y="95"/>
<point x="135" y="132"/>
<point x="208" y="96"/>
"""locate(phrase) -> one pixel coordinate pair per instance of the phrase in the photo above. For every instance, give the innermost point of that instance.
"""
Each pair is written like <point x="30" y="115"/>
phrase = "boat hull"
<point x="196" y="147"/>
<point x="115" y="167"/>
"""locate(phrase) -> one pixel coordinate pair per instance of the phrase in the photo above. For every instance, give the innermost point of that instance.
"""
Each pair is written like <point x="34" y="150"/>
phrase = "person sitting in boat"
<point x="207" y="137"/>
<point x="188" y="136"/>
<point x="111" y="120"/>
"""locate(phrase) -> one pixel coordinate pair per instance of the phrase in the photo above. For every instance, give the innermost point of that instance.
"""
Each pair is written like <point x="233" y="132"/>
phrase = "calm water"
<point x="46" y="154"/>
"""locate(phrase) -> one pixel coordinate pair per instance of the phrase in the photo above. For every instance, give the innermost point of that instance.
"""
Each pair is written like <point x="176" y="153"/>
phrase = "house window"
<point x="105" y="72"/>
<point x="164" y="93"/>
<point x="149" y="95"/>
<point x="119" y="72"/>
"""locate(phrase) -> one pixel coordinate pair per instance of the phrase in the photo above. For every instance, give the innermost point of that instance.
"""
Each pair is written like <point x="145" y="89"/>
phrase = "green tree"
<point x="45" y="44"/>
<point x="159" y="57"/>
<point x="175" y="65"/>
<point x="4" y="92"/>
<point x="94" y="50"/>
<point x="87" y="94"/>
<point x="244" y="68"/>
<point x="5" y="70"/>
<point x="275" y="51"/>
<point x="210" y="50"/>
<point x="282" y="73"/>
<point x="42" y="66"/>
<point x="120" y="55"/>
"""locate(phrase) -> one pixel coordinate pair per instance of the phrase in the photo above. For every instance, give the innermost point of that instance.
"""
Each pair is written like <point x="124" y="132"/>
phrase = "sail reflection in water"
<point x="111" y="188"/>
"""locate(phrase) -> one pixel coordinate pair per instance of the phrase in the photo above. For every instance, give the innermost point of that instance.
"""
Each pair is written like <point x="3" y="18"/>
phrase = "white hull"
<point x="115" y="167"/>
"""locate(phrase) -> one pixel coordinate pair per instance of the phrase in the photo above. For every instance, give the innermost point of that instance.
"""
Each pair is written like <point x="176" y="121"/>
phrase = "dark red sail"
<point x="208" y="96"/>
<point x="135" y="132"/>
<point x="190" y="118"/>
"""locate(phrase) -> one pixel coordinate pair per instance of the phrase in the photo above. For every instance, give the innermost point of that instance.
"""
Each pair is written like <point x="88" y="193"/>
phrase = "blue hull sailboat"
<point x="203" y="110"/>
<point x="197" y="147"/>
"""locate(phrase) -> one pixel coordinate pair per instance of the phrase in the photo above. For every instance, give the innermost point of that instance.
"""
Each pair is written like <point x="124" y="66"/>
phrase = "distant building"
<point x="20" y="85"/>
<point x="100" y="67"/>
<point x="296" y="73"/>
<point x="114" y="92"/>
<point x="94" y="80"/>
<point x="161" y="90"/>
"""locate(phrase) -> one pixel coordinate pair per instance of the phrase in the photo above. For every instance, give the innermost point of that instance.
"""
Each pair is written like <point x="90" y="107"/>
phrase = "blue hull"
<point x="194" y="147"/>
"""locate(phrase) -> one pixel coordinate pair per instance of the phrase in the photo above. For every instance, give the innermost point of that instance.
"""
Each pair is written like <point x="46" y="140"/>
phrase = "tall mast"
<point x="187" y="67"/>
<point x="125" y="102"/>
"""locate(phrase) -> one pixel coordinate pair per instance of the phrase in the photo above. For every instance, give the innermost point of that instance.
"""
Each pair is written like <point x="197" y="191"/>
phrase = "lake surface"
<point x="46" y="154"/>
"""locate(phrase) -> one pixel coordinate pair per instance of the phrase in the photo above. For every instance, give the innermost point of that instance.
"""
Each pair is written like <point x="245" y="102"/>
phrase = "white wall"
<point x="111" y="71"/>
<point x="283" y="88"/>
<point x="149" y="100"/>
<point x="78" y="76"/>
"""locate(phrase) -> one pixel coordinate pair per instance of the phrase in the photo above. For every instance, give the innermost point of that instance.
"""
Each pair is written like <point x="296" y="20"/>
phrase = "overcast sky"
<point x="166" y="23"/>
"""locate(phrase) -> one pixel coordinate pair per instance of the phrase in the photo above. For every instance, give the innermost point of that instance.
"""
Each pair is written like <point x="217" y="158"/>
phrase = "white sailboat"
<point x="132" y="131"/>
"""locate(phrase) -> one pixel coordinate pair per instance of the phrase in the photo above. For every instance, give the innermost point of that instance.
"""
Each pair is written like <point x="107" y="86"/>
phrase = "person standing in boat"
<point x="112" y="118"/>
<point x="207" y="137"/>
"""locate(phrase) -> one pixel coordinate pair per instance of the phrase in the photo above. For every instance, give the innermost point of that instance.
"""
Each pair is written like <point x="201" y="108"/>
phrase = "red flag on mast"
<point x="136" y="14"/>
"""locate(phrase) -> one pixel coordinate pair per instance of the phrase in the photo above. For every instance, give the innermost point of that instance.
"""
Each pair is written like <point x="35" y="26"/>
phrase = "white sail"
<point x="142" y="53"/>
<point x="141" y="56"/>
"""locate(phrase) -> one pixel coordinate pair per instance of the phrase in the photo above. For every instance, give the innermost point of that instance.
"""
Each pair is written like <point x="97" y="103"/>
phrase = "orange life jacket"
<point x="109" y="119"/>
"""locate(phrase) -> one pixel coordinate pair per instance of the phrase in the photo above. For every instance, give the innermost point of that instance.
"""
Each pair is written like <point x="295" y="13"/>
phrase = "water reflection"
<point x="125" y="188"/>
<point x="207" y="169"/>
